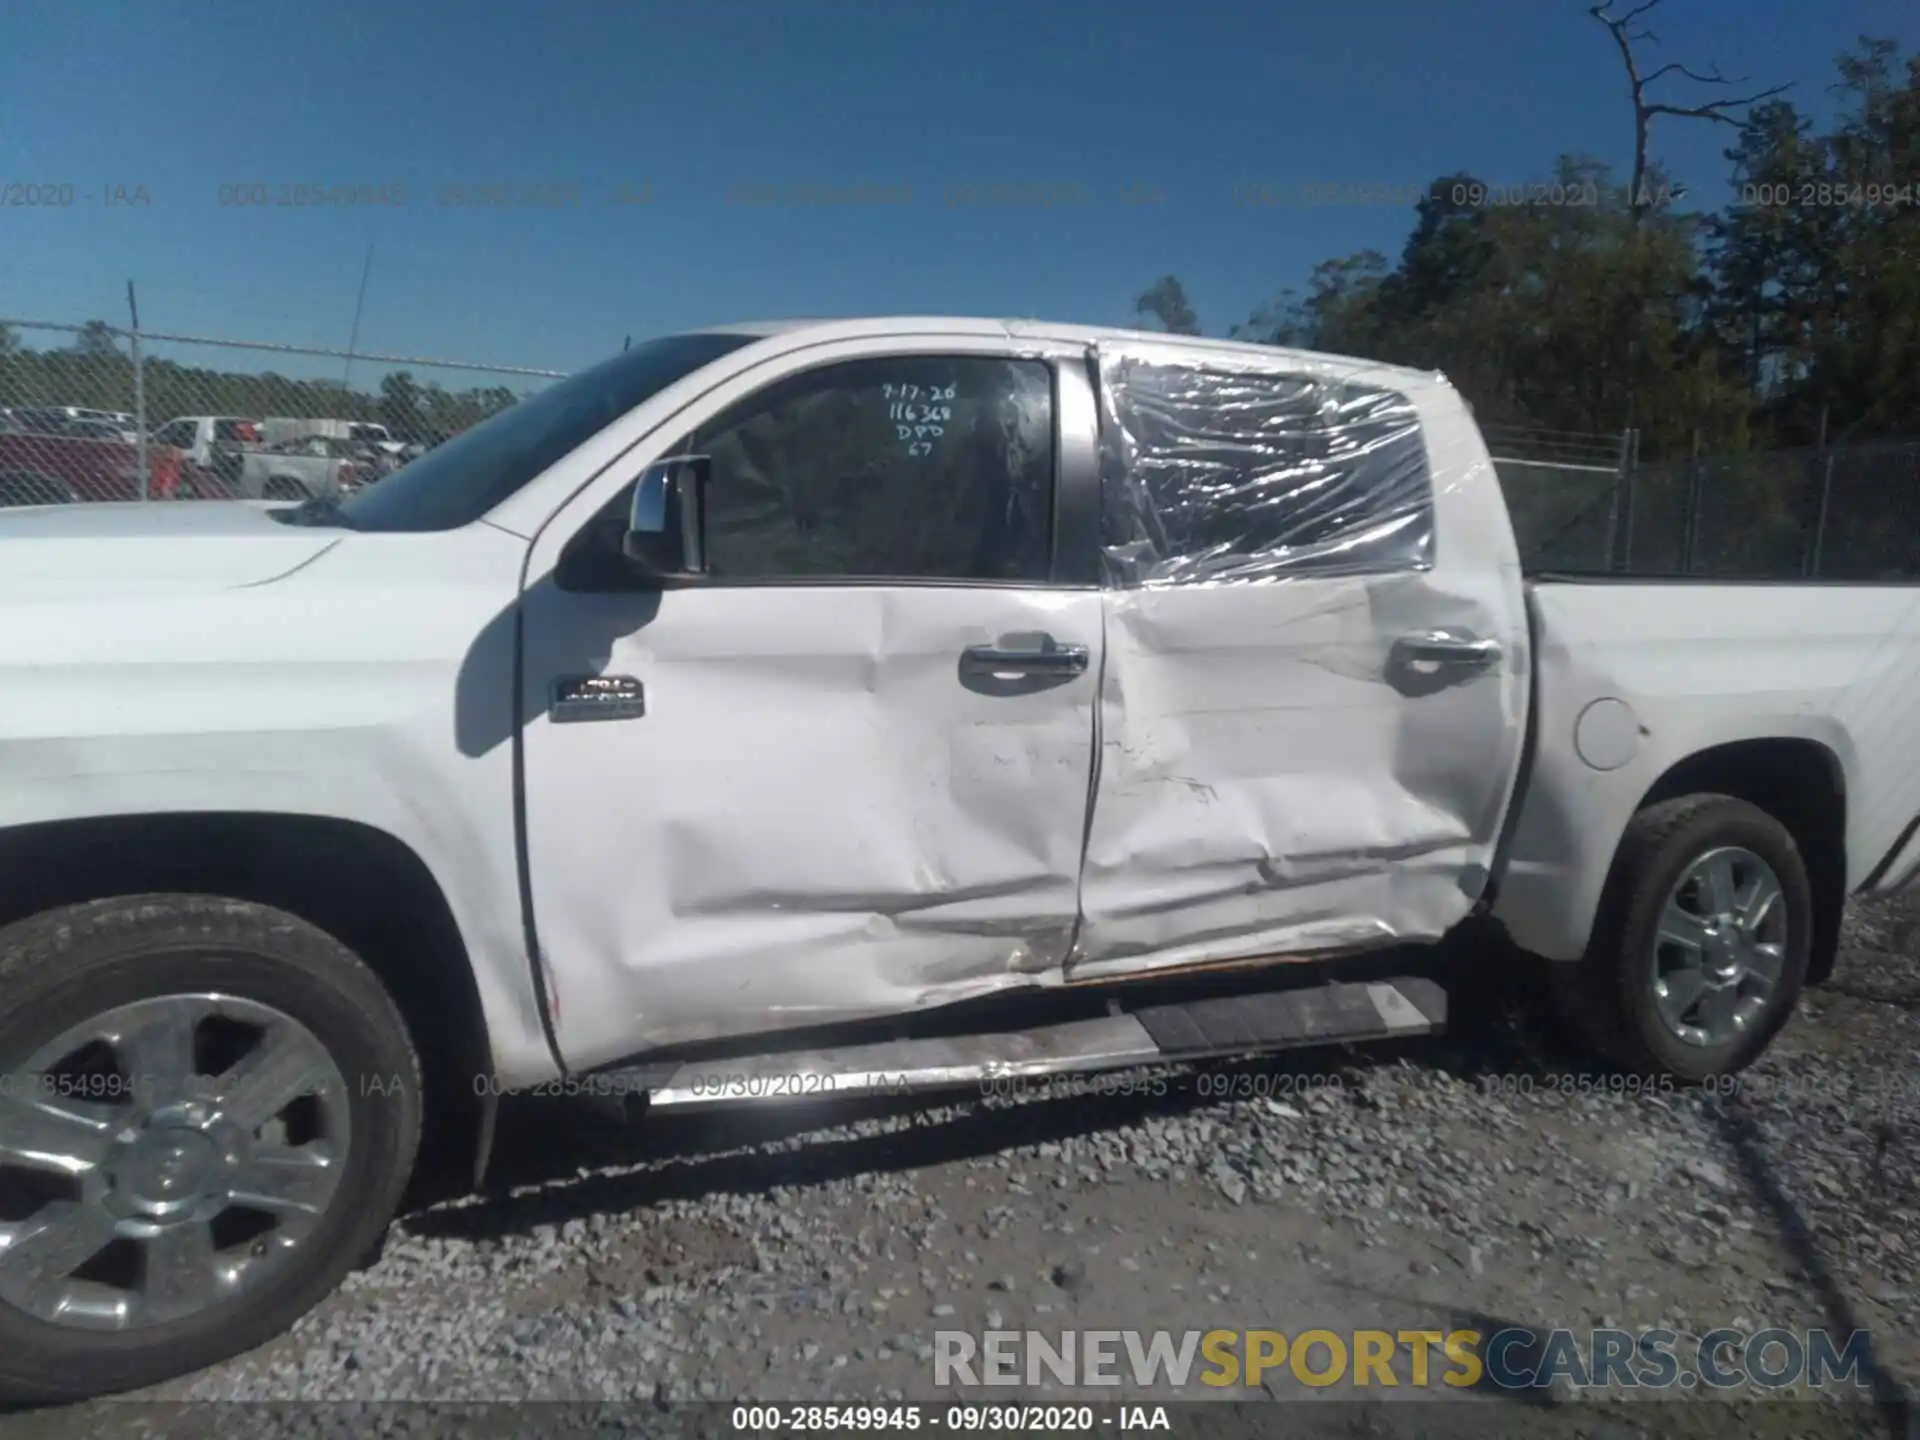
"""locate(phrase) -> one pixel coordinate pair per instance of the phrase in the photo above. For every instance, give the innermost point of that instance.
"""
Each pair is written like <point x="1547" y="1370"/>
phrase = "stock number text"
<point x="261" y="195"/>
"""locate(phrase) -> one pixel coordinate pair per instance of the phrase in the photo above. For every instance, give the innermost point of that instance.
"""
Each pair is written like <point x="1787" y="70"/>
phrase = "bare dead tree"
<point x="1627" y="32"/>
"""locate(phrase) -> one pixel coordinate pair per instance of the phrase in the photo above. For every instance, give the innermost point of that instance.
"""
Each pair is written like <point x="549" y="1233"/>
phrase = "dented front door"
<point x="850" y="777"/>
<point x="1317" y="666"/>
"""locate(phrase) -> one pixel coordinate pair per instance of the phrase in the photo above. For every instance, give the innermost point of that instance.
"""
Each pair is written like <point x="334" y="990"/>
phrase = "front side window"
<point x="908" y="467"/>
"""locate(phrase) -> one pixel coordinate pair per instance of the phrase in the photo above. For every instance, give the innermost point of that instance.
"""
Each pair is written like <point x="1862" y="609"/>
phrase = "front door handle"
<point x="1048" y="657"/>
<point x="1458" y="649"/>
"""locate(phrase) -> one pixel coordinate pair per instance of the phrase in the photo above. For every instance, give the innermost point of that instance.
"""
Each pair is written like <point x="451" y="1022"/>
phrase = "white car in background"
<point x="119" y="421"/>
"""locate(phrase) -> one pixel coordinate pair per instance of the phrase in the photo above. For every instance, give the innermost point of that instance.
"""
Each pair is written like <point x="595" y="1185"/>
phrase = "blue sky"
<point x="705" y="102"/>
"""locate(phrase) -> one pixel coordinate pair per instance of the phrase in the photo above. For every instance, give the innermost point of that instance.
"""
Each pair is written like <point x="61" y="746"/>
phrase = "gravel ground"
<point x="1480" y="1179"/>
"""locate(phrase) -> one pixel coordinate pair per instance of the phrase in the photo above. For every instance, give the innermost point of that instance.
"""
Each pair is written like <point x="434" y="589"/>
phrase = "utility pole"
<point x="139" y="392"/>
<point x="353" y="337"/>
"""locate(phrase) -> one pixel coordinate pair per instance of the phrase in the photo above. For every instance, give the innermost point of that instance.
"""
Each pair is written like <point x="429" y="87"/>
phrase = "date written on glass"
<point x="919" y="413"/>
<point x="36" y="195"/>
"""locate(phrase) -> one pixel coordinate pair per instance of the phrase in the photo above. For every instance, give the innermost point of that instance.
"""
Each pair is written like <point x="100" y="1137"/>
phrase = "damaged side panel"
<point x="1315" y="684"/>
<point x="819" y="818"/>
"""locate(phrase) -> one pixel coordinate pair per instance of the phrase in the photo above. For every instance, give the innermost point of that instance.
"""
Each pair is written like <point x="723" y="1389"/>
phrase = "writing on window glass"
<point x="919" y="413"/>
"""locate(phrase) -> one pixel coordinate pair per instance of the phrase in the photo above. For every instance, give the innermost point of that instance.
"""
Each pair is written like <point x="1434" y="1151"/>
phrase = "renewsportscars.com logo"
<point x="1511" y="1359"/>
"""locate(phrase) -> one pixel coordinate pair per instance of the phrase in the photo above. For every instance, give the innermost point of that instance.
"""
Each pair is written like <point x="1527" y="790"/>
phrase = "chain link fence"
<point x="1564" y="492"/>
<point x="1587" y="504"/>
<point x="96" y="412"/>
<point x="1832" y="513"/>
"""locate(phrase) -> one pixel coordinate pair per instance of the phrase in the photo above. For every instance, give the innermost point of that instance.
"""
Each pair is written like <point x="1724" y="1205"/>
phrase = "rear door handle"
<point x="1454" y="648"/>
<point x="1046" y="658"/>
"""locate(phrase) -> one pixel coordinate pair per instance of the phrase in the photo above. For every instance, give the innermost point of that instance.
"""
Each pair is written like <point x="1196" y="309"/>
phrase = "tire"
<point x="284" y="487"/>
<point x="1610" y="997"/>
<point x="73" y="970"/>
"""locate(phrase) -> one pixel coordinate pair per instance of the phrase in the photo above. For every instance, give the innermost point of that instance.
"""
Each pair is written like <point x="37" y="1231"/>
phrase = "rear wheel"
<point x="208" y="1110"/>
<point x="1700" y="948"/>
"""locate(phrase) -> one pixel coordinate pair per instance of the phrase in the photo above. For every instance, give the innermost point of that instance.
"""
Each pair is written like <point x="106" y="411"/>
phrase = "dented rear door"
<point x="1317" y="665"/>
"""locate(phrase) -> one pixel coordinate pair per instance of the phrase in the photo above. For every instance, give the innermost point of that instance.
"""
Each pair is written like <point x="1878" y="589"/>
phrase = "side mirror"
<point x="666" y="539"/>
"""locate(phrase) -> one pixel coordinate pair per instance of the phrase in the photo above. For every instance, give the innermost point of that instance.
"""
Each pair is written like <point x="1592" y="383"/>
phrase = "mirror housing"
<point x="666" y="539"/>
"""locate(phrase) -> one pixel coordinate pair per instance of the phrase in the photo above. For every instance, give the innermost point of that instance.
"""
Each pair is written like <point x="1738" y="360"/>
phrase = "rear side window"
<point x="911" y="467"/>
<point x="1217" y="475"/>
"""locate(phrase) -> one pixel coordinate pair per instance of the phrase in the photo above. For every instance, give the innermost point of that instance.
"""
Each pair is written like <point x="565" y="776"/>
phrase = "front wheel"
<point x="1700" y="947"/>
<point x="208" y="1111"/>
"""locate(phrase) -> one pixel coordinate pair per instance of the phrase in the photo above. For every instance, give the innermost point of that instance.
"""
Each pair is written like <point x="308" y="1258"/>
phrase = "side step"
<point x="1229" y="1025"/>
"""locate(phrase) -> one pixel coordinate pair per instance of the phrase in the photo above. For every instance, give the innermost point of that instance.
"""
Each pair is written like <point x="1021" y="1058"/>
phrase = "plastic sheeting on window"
<point x="1243" y="474"/>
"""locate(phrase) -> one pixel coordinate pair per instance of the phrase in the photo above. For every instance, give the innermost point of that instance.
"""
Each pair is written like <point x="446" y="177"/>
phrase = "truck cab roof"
<point x="1199" y="348"/>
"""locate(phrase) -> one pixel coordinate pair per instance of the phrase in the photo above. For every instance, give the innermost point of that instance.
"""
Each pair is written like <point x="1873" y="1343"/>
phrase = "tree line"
<point x="96" y="372"/>
<point x="1789" y="316"/>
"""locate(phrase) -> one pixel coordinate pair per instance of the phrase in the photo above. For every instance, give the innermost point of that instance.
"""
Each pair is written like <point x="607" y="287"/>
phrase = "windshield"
<point x="456" y="483"/>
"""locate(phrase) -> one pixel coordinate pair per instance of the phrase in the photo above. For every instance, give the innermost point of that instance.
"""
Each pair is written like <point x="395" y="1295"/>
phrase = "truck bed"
<point x="1632" y="676"/>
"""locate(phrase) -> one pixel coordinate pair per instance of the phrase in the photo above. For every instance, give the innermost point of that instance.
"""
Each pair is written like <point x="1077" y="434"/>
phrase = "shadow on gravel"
<point x="569" y="1161"/>
<point x="1901" y="999"/>
<point x="556" y="1161"/>
<point x="1743" y="1132"/>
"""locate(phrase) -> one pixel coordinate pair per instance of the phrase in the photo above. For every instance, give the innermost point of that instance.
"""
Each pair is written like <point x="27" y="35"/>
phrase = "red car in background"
<point x="50" y="458"/>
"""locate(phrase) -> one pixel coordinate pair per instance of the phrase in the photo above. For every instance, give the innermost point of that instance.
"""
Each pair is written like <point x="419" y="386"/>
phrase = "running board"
<point x="1249" y="1024"/>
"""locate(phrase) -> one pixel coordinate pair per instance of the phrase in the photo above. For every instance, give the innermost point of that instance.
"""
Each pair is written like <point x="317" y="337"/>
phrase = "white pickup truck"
<point x="301" y="469"/>
<point x="828" y="708"/>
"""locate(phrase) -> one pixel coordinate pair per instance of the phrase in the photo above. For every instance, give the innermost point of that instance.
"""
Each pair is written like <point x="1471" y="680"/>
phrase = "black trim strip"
<point x="523" y="859"/>
<point x="1602" y="577"/>
<point x="1076" y="479"/>
<point x="1529" y="751"/>
<point x="1879" y="872"/>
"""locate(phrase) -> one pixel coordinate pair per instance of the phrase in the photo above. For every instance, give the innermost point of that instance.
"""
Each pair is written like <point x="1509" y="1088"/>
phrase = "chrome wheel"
<point x="163" y="1157"/>
<point x="1720" y="947"/>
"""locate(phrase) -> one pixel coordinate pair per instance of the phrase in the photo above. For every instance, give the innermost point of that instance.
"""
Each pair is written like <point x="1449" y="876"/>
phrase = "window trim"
<point x="1076" y="483"/>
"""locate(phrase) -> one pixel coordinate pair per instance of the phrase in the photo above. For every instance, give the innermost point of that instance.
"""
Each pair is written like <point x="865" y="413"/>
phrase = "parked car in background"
<point x="368" y="438"/>
<point x="213" y="446"/>
<point x="66" y="420"/>
<point x="47" y="457"/>
<point x="422" y="442"/>
<point x="282" y="429"/>
<point x="119" y="422"/>
<point x="303" y="469"/>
